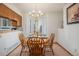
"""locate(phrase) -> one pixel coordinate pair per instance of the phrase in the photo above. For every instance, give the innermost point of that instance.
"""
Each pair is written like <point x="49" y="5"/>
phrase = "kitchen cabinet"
<point x="14" y="23"/>
<point x="8" y="13"/>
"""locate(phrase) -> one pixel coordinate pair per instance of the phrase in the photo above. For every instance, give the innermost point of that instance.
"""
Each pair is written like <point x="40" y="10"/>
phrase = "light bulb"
<point x="39" y="11"/>
<point x="41" y="14"/>
<point x="33" y="11"/>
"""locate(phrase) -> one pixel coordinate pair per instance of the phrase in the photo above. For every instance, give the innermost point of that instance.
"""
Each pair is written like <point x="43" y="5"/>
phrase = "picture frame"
<point x="73" y="13"/>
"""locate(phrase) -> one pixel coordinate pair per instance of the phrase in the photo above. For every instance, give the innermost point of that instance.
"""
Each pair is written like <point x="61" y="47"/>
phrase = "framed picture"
<point x="73" y="13"/>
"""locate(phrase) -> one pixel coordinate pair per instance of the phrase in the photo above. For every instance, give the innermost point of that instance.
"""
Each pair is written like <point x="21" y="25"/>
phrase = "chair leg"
<point x="52" y="52"/>
<point x="44" y="52"/>
<point x="21" y="51"/>
<point x="29" y="52"/>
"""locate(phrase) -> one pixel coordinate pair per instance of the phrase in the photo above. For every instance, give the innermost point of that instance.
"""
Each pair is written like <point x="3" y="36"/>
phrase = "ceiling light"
<point x="36" y="14"/>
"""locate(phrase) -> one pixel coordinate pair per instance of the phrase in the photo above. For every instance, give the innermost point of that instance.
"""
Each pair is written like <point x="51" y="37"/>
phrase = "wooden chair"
<point x="49" y="45"/>
<point x="23" y="41"/>
<point x="35" y="46"/>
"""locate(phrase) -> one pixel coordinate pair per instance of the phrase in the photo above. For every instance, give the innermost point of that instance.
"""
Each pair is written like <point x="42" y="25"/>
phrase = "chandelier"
<point x="36" y="14"/>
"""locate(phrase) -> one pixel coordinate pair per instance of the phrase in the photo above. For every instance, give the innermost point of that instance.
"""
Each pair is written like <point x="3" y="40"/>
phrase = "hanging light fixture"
<point x="36" y="14"/>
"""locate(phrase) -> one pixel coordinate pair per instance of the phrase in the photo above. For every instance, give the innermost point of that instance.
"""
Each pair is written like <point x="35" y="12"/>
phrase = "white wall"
<point x="71" y="35"/>
<point x="24" y="23"/>
<point x="54" y="21"/>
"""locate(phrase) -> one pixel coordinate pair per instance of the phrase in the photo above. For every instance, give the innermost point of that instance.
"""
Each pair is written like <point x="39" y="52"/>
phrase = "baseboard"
<point x="63" y="48"/>
<point x="13" y="50"/>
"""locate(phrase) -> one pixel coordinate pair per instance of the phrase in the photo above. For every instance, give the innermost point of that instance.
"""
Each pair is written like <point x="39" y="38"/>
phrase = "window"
<point x="39" y="25"/>
<point x="5" y="23"/>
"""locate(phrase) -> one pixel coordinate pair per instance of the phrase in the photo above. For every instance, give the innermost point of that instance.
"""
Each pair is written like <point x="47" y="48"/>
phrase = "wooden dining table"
<point x="36" y="45"/>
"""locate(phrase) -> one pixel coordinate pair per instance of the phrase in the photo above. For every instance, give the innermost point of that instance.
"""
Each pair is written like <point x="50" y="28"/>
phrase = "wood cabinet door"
<point x="19" y="20"/>
<point x="14" y="23"/>
<point x="2" y="10"/>
<point x="8" y="13"/>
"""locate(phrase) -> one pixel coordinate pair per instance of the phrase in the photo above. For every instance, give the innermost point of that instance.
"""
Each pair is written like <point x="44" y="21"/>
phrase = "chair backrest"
<point x="21" y="37"/>
<point x="52" y="38"/>
<point x="35" y="46"/>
